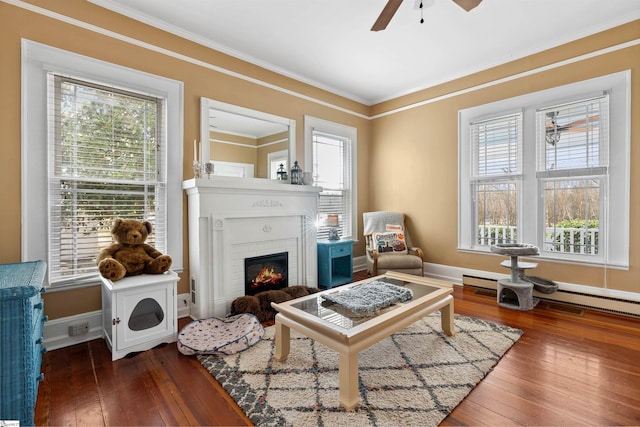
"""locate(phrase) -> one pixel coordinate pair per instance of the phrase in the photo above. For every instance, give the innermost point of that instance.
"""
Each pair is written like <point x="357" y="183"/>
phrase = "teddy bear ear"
<point x="116" y="224"/>
<point x="149" y="227"/>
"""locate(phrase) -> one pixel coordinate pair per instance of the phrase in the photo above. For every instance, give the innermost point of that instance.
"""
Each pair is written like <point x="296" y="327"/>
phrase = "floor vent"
<point x="563" y="299"/>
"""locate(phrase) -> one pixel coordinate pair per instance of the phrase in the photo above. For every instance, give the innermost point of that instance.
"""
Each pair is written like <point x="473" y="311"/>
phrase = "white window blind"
<point x="106" y="154"/>
<point x="497" y="148"/>
<point x="573" y="138"/>
<point x="332" y="170"/>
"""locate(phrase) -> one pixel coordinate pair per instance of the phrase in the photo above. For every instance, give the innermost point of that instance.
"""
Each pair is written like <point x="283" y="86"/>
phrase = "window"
<point x="331" y="152"/>
<point x="536" y="169"/>
<point x="573" y="142"/>
<point x="108" y="131"/>
<point x="496" y="177"/>
<point x="106" y="152"/>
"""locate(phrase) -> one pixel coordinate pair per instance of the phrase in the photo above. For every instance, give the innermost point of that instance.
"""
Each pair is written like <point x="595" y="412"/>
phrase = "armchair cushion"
<point x="391" y="242"/>
<point x="396" y="263"/>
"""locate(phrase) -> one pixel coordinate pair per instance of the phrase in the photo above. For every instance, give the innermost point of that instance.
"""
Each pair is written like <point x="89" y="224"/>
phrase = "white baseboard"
<point x="56" y="332"/>
<point x="609" y="300"/>
<point x="359" y="263"/>
<point x="184" y="305"/>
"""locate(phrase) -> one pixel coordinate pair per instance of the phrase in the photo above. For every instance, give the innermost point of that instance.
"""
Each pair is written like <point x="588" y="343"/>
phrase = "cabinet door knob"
<point x="38" y="306"/>
<point x="116" y="321"/>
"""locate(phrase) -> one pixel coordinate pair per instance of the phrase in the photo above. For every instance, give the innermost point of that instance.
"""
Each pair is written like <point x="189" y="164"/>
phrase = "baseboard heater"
<point x="579" y="299"/>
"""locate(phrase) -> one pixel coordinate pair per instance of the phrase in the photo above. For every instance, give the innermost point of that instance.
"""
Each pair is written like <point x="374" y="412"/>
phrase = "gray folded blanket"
<point x="370" y="296"/>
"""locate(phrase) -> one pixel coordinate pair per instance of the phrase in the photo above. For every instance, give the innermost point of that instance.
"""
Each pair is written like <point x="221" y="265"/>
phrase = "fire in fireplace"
<point x="266" y="272"/>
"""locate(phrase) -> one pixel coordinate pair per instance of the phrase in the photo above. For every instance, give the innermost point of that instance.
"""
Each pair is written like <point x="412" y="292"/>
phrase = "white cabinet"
<point x="139" y="312"/>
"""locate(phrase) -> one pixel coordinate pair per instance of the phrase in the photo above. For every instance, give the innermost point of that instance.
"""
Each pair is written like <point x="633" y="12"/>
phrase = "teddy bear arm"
<point x="151" y="251"/>
<point x="108" y="252"/>
<point x="158" y="262"/>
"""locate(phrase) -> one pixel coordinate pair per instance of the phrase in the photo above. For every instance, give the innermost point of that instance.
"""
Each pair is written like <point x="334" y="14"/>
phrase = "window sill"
<point x="547" y="258"/>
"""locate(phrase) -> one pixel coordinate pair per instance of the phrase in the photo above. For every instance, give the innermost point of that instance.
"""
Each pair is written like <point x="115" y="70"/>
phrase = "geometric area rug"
<point x="415" y="377"/>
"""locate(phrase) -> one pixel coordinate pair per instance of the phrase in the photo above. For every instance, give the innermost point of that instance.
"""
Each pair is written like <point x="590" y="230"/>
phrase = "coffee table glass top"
<point x="342" y="317"/>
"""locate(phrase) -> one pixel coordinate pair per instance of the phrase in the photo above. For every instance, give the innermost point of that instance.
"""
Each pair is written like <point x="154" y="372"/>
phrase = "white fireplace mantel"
<point x="235" y="218"/>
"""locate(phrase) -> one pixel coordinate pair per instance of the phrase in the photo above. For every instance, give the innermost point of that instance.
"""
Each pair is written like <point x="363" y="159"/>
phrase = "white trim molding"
<point x="605" y="299"/>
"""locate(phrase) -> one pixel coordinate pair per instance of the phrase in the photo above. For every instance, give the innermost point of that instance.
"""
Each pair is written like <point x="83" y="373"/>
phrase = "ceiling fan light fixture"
<point x="392" y="6"/>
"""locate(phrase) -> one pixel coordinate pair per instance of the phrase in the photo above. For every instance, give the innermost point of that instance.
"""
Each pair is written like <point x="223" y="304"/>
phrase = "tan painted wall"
<point x="406" y="161"/>
<point x="199" y="80"/>
<point x="415" y="154"/>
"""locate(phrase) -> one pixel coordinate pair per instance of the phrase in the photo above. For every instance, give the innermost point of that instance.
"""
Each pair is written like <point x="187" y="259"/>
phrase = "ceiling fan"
<point x="553" y="130"/>
<point x="392" y="6"/>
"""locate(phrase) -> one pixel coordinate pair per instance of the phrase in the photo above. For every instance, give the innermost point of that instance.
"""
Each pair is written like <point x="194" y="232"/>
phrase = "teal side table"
<point x="335" y="263"/>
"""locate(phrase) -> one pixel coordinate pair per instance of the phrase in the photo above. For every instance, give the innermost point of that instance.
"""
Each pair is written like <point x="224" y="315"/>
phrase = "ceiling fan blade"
<point x="582" y="125"/>
<point x="386" y="15"/>
<point x="467" y="4"/>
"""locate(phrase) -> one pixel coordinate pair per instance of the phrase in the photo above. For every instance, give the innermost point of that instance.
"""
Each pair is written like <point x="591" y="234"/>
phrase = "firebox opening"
<point x="266" y="272"/>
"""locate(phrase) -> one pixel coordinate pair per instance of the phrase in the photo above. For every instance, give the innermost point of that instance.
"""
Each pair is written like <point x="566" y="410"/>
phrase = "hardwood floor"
<point x="571" y="367"/>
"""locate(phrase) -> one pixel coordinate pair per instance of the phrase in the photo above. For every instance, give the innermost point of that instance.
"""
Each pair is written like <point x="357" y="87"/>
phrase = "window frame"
<point x="344" y="131"/>
<point x="557" y="174"/>
<point x="616" y="221"/>
<point x="38" y="60"/>
<point x="511" y="177"/>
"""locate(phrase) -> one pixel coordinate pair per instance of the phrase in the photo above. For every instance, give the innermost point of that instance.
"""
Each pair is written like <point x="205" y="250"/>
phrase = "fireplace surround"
<point x="231" y="219"/>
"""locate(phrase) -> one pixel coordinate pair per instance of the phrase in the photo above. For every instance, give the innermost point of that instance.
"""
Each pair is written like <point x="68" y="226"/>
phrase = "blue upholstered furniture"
<point x="21" y="320"/>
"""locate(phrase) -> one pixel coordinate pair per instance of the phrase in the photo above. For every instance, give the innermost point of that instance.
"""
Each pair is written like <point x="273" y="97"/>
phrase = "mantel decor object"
<point x="197" y="164"/>
<point x="282" y="173"/>
<point x="333" y="223"/>
<point x="296" y="174"/>
<point x="208" y="169"/>
<point x="197" y="169"/>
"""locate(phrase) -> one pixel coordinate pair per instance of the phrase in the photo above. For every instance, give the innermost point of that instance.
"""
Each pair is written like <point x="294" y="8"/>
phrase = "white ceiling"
<point x="328" y="43"/>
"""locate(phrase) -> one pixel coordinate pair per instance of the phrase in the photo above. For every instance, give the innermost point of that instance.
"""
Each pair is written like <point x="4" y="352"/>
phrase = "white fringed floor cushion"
<point x="226" y="336"/>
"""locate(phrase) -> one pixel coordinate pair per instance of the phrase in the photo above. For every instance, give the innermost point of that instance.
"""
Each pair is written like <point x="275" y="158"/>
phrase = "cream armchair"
<point x="382" y="255"/>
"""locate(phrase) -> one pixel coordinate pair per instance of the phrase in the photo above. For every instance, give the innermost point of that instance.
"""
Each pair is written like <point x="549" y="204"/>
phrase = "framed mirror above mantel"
<point x="243" y="142"/>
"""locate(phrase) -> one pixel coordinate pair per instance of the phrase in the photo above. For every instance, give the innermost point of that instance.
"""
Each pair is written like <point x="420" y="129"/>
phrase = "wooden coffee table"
<point x="349" y="334"/>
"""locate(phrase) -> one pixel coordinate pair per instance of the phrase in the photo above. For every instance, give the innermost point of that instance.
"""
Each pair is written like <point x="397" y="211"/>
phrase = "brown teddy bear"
<point x="260" y="303"/>
<point x="130" y="255"/>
